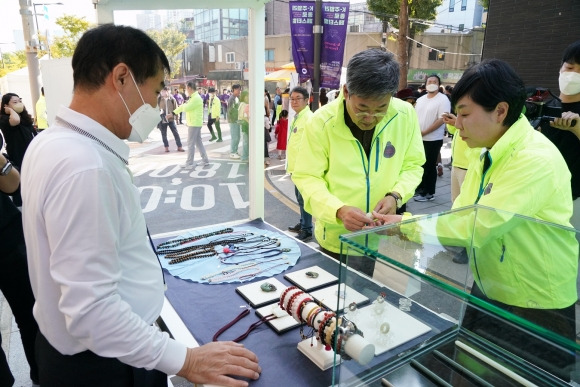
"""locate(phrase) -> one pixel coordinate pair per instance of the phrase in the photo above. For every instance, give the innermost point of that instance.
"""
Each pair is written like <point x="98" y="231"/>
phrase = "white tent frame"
<point x="256" y="47"/>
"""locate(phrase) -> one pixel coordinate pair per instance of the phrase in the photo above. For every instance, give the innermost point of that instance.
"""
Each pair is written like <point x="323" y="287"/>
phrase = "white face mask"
<point x="569" y="82"/>
<point x="432" y="87"/>
<point x="143" y="120"/>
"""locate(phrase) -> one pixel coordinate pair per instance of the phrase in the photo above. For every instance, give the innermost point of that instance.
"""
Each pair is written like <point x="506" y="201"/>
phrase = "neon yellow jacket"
<point x="193" y="109"/>
<point x="216" y="107"/>
<point x="331" y="169"/>
<point x="41" y="116"/>
<point x="295" y="137"/>
<point x="514" y="261"/>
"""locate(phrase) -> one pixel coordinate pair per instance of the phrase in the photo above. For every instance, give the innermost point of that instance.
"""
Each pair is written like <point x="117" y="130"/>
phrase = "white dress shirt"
<point x="97" y="282"/>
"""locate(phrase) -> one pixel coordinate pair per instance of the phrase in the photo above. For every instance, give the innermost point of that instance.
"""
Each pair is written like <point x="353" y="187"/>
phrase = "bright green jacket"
<point x="514" y="261"/>
<point x="332" y="170"/>
<point x="295" y="137"/>
<point x="216" y="107"/>
<point x="193" y="109"/>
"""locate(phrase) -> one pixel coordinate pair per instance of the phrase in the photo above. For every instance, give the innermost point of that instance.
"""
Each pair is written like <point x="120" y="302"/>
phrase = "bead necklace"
<point x="265" y="243"/>
<point x="274" y="253"/>
<point x="227" y="271"/>
<point x="168" y="253"/>
<point x="250" y="329"/>
<point x="177" y="242"/>
<point x="233" y="274"/>
<point x="201" y="254"/>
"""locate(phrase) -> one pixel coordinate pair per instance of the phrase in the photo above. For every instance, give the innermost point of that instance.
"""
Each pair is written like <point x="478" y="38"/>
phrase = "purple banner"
<point x="301" y="22"/>
<point x="335" y="22"/>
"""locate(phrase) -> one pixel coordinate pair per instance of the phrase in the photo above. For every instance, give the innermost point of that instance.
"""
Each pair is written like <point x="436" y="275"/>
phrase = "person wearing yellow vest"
<point x="41" y="116"/>
<point x="359" y="153"/>
<point x="214" y="108"/>
<point x="521" y="266"/>
<point x="299" y="103"/>
<point x="193" y="109"/>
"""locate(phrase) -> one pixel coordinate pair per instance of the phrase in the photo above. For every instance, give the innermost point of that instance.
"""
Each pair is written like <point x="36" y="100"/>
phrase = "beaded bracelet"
<point x="329" y="331"/>
<point x="280" y="303"/>
<point x="301" y="307"/>
<point x="298" y="301"/>
<point x="291" y="300"/>
<point x="327" y="316"/>
<point x="310" y="317"/>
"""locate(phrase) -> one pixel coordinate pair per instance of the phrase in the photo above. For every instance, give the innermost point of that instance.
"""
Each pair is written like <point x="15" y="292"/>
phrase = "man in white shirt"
<point x="97" y="282"/>
<point x="429" y="109"/>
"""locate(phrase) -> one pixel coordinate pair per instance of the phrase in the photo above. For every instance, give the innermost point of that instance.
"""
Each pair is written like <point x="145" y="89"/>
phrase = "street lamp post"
<point x="36" y="19"/>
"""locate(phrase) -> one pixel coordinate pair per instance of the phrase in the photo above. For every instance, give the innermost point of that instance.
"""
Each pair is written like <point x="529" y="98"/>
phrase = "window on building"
<point x="230" y="57"/>
<point x="463" y="5"/>
<point x="269" y="55"/>
<point x="451" y="5"/>
<point x="437" y="54"/>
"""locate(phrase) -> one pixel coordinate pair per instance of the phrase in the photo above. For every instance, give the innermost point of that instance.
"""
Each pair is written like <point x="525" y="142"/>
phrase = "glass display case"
<point x="474" y="296"/>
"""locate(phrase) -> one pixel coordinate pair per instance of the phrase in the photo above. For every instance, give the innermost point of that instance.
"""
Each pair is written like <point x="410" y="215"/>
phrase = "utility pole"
<point x="403" y="52"/>
<point x="30" y="40"/>
<point x="317" y="30"/>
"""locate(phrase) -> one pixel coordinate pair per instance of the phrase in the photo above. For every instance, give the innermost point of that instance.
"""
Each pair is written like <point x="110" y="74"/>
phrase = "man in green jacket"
<point x="193" y="109"/>
<point x="360" y="153"/>
<point x="214" y="108"/>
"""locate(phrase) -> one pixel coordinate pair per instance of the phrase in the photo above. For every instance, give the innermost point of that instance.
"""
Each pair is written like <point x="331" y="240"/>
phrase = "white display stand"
<point x="317" y="354"/>
<point x="283" y="323"/>
<point x="329" y="297"/>
<point x="256" y="296"/>
<point x="306" y="283"/>
<point x="403" y="327"/>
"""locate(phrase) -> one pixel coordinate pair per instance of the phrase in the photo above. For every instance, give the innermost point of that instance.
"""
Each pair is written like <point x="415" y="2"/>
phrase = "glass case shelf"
<point x="473" y="296"/>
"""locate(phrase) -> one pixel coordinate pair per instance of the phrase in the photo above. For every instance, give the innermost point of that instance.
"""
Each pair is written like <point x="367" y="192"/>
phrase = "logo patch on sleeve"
<point x="488" y="188"/>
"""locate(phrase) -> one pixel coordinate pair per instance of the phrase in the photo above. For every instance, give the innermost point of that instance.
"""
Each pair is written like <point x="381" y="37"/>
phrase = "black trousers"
<point x="15" y="285"/>
<point x="86" y="369"/>
<point x="429" y="180"/>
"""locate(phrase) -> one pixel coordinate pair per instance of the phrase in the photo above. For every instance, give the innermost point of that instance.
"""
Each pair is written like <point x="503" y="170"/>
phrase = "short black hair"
<point x="236" y="86"/>
<point x="489" y="83"/>
<point x="433" y="76"/>
<point x="572" y="53"/>
<point x="301" y="90"/>
<point x="102" y="48"/>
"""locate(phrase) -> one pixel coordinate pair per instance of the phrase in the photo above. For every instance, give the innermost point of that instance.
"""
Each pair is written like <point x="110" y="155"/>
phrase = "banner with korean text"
<point x="335" y="22"/>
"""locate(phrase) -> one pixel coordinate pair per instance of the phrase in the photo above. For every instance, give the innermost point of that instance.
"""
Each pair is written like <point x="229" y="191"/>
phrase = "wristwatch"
<point x="6" y="169"/>
<point x="397" y="198"/>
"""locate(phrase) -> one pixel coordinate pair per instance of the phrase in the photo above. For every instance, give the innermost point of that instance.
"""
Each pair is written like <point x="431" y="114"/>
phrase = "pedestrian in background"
<point x="193" y="109"/>
<point x="213" y="116"/>
<point x="41" y="114"/>
<point x="233" y="106"/>
<point x="179" y="98"/>
<point x="167" y="105"/>
<point x="18" y="131"/>
<point x="281" y="133"/>
<point x="244" y="123"/>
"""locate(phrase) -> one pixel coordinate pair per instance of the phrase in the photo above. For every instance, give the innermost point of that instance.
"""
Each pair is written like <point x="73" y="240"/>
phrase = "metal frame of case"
<point x="413" y="260"/>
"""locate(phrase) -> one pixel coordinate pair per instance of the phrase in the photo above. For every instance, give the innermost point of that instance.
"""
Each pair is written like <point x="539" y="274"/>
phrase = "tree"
<point x="484" y="3"/>
<point x="74" y="27"/>
<point x="417" y="12"/>
<point x="173" y="43"/>
<point x="12" y="61"/>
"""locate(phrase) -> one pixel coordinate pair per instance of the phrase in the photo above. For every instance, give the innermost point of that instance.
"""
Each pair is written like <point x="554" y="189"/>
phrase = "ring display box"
<point x="311" y="278"/>
<point x="430" y="273"/>
<point x="259" y="293"/>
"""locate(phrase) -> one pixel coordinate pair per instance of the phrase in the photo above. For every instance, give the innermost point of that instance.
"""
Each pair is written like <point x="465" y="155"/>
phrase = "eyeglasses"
<point x="364" y="115"/>
<point x="296" y="99"/>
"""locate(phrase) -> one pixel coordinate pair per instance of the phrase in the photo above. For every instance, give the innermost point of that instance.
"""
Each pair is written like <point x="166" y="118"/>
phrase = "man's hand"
<point x="353" y="218"/>
<point x="381" y="220"/>
<point x="449" y="118"/>
<point x="387" y="205"/>
<point x="213" y="362"/>
<point x="565" y="123"/>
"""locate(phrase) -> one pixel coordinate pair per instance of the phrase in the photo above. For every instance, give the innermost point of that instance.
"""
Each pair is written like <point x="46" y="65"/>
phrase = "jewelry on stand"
<point x="352" y="307"/>
<point x="177" y="242"/>
<point x="405" y="304"/>
<point x="311" y="274"/>
<point x="385" y="328"/>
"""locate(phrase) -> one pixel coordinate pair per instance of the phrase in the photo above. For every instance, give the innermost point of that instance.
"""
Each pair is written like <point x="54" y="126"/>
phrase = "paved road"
<point x="175" y="199"/>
